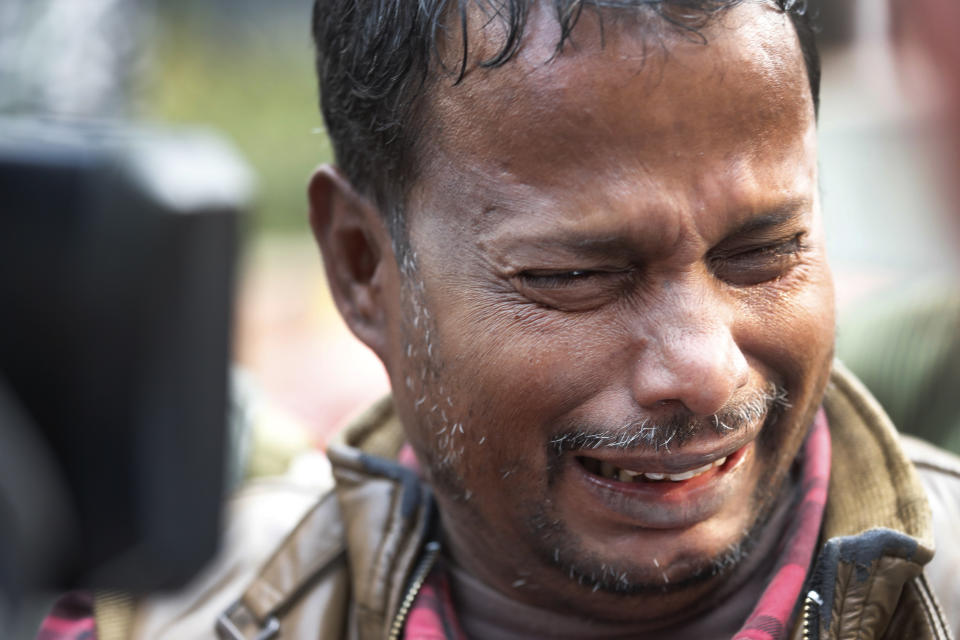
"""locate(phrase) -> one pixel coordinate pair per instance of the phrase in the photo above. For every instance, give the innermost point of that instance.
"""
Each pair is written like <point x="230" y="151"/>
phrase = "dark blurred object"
<point x="117" y="251"/>
<point x="836" y="20"/>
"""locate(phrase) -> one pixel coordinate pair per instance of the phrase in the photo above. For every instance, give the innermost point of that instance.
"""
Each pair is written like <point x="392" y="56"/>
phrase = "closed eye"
<point x="756" y="265"/>
<point x="557" y="279"/>
<point x="573" y="289"/>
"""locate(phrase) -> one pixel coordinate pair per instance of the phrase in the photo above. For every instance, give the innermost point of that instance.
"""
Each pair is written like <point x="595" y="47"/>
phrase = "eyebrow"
<point x="598" y="245"/>
<point x="781" y="215"/>
<point x="606" y="246"/>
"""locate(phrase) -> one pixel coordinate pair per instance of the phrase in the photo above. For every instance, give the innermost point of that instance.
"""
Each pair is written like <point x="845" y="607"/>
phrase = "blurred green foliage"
<point x="252" y="80"/>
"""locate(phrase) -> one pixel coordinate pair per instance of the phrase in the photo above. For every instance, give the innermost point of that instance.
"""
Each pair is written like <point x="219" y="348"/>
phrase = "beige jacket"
<point x="352" y="565"/>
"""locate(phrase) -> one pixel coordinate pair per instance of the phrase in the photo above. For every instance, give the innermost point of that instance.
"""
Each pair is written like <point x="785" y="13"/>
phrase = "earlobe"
<point x="355" y="248"/>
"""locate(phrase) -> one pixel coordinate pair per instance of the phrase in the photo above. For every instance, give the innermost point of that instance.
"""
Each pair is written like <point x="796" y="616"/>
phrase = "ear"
<point x="357" y="254"/>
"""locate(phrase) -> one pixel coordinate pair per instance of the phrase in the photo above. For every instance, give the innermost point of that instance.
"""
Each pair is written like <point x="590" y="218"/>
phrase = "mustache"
<point x="660" y="433"/>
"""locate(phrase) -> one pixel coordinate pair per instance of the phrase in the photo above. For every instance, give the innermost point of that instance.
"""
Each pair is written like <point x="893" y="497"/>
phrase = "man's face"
<point x="616" y="264"/>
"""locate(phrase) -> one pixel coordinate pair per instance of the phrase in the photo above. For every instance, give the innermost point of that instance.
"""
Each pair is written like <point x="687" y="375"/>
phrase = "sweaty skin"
<point x="601" y="242"/>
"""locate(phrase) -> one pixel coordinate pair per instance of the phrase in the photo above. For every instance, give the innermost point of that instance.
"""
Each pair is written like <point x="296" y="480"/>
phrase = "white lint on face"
<point x="444" y="433"/>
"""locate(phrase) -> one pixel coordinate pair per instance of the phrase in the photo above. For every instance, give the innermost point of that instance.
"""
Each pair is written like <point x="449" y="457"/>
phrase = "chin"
<point x="647" y="562"/>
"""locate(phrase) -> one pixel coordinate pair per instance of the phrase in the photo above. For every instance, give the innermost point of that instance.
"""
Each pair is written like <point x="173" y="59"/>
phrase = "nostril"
<point x="670" y="404"/>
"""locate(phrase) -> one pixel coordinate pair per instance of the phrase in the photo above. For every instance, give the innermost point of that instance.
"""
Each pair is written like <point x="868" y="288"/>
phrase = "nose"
<point x="690" y="356"/>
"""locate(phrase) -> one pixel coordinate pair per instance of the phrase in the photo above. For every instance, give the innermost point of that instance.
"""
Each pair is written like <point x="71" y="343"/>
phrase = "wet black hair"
<point x="376" y="59"/>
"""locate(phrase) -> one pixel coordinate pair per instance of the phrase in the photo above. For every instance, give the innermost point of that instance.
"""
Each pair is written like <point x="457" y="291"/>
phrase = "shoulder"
<point x="939" y="472"/>
<point x="258" y="519"/>
<point x="931" y="460"/>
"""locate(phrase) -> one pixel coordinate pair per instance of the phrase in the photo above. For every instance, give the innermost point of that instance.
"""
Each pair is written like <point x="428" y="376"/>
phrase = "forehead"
<point x="626" y="99"/>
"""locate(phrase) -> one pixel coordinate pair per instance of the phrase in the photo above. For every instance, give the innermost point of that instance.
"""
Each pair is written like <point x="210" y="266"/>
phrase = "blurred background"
<point x="245" y="68"/>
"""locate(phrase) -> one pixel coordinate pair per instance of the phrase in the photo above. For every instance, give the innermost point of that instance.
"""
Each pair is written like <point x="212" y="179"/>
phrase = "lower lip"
<point x="665" y="504"/>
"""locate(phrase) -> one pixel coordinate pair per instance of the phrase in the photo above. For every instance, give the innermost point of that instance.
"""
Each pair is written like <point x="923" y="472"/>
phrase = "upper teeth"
<point x="608" y="470"/>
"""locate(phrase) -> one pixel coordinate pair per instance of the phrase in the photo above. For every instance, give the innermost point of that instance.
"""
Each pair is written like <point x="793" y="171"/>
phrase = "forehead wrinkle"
<point x="649" y="218"/>
<point x="655" y="233"/>
<point x="479" y="109"/>
<point x="620" y="233"/>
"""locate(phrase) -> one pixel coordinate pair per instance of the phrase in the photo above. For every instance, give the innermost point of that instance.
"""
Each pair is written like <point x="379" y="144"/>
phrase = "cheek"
<point x="470" y="392"/>
<point x="788" y="329"/>
<point x="511" y="377"/>
<point x="808" y="327"/>
<point x="792" y="339"/>
<point x="528" y="364"/>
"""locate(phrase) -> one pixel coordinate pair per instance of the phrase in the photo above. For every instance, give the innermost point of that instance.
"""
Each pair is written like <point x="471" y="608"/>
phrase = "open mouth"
<point x="632" y="472"/>
<point x="657" y="490"/>
<point x="610" y="471"/>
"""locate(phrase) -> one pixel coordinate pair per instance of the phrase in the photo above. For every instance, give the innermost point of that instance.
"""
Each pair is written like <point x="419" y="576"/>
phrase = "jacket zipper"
<point x="810" y="631"/>
<point x="431" y="551"/>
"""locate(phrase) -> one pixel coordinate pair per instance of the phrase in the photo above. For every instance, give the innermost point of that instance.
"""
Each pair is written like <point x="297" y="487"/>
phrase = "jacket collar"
<point x="387" y="512"/>
<point x="889" y="496"/>
<point x="877" y="529"/>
